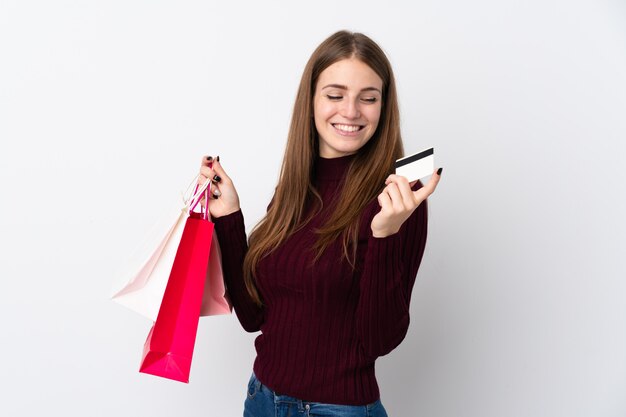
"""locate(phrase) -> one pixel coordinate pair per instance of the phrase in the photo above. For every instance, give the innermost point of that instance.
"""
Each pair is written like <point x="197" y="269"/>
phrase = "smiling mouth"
<point x="347" y="128"/>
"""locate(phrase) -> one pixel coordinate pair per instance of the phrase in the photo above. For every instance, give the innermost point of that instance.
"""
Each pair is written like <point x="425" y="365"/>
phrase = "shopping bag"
<point x="143" y="290"/>
<point x="215" y="299"/>
<point x="168" y="350"/>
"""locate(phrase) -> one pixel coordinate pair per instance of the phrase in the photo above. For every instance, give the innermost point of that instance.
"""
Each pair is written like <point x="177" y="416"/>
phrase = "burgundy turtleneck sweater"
<point x="322" y="328"/>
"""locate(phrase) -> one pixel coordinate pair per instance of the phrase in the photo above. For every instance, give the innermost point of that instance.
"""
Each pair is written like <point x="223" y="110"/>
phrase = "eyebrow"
<point x="343" y="87"/>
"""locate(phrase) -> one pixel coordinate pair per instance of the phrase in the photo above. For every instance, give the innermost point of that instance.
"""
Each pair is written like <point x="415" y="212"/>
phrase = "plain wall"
<point x="106" y="108"/>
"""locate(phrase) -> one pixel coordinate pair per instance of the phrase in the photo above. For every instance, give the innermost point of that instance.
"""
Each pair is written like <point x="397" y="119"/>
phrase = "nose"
<point x="350" y="109"/>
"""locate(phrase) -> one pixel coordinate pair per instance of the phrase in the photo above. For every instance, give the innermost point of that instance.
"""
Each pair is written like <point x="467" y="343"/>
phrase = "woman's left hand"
<point x="398" y="201"/>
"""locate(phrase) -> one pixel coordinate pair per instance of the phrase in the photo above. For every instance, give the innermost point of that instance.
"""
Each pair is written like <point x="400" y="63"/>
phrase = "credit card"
<point x="416" y="166"/>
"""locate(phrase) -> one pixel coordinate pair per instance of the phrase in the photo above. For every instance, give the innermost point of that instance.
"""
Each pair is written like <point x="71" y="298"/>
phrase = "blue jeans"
<point x="263" y="402"/>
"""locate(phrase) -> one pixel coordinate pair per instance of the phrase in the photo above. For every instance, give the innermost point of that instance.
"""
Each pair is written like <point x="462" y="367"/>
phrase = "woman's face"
<point x="346" y="107"/>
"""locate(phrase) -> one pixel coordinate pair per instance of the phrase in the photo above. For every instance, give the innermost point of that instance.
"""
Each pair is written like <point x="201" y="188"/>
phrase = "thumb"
<point x="217" y="167"/>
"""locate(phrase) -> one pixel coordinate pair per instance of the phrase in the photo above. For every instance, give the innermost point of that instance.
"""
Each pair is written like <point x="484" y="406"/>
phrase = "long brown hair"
<point x="365" y="177"/>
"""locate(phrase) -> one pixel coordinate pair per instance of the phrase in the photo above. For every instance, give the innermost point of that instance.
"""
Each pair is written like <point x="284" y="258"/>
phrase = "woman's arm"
<point x="395" y="248"/>
<point x="386" y="283"/>
<point x="231" y="235"/>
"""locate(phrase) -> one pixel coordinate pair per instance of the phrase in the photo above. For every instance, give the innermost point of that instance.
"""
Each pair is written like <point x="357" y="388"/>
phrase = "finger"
<point x="384" y="201"/>
<point x="215" y="189"/>
<point x="217" y="167"/>
<point x="434" y="180"/>
<point x="396" y="196"/>
<point x="211" y="173"/>
<point x="430" y="186"/>
<point x="206" y="160"/>
<point x="408" y="199"/>
<point x="212" y="191"/>
<point x="394" y="178"/>
<point x="203" y="176"/>
<point x="207" y="172"/>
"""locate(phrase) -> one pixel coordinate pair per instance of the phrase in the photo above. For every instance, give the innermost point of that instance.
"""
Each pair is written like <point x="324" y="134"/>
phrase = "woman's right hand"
<point x="223" y="197"/>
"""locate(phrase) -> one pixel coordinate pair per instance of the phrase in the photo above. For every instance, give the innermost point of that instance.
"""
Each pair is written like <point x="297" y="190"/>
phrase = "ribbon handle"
<point x="191" y="200"/>
<point x="193" y="203"/>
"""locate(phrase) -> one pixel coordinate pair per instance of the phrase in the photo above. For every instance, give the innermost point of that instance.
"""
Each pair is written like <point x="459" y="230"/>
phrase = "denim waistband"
<point x="302" y="404"/>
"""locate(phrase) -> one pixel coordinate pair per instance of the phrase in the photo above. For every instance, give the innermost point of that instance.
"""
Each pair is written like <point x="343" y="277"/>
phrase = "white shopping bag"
<point x="143" y="290"/>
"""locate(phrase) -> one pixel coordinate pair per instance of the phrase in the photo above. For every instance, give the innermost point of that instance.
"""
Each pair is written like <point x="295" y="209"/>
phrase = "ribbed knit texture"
<point x="324" y="326"/>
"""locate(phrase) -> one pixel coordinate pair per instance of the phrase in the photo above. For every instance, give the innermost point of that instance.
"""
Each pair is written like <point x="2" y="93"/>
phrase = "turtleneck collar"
<point x="332" y="168"/>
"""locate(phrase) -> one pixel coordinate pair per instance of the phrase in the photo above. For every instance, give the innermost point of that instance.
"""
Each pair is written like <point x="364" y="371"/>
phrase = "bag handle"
<point x="193" y="203"/>
<point x="189" y="197"/>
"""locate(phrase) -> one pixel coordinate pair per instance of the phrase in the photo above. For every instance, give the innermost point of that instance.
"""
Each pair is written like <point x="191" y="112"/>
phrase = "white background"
<point x="107" y="107"/>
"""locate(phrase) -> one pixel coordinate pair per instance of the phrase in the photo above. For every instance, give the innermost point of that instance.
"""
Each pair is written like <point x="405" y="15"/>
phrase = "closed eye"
<point x="334" y="97"/>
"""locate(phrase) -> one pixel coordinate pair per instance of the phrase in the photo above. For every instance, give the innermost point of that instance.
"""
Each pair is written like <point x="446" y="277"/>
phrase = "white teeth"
<point x="347" y="128"/>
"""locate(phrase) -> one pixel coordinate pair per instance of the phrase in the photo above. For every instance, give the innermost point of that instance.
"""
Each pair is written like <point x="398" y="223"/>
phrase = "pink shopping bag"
<point x="168" y="350"/>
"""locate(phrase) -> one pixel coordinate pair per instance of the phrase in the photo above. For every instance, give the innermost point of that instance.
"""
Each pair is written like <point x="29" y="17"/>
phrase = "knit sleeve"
<point x="389" y="272"/>
<point x="231" y="234"/>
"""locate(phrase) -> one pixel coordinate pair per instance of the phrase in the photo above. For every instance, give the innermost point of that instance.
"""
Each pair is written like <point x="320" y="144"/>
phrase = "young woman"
<point x="327" y="275"/>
